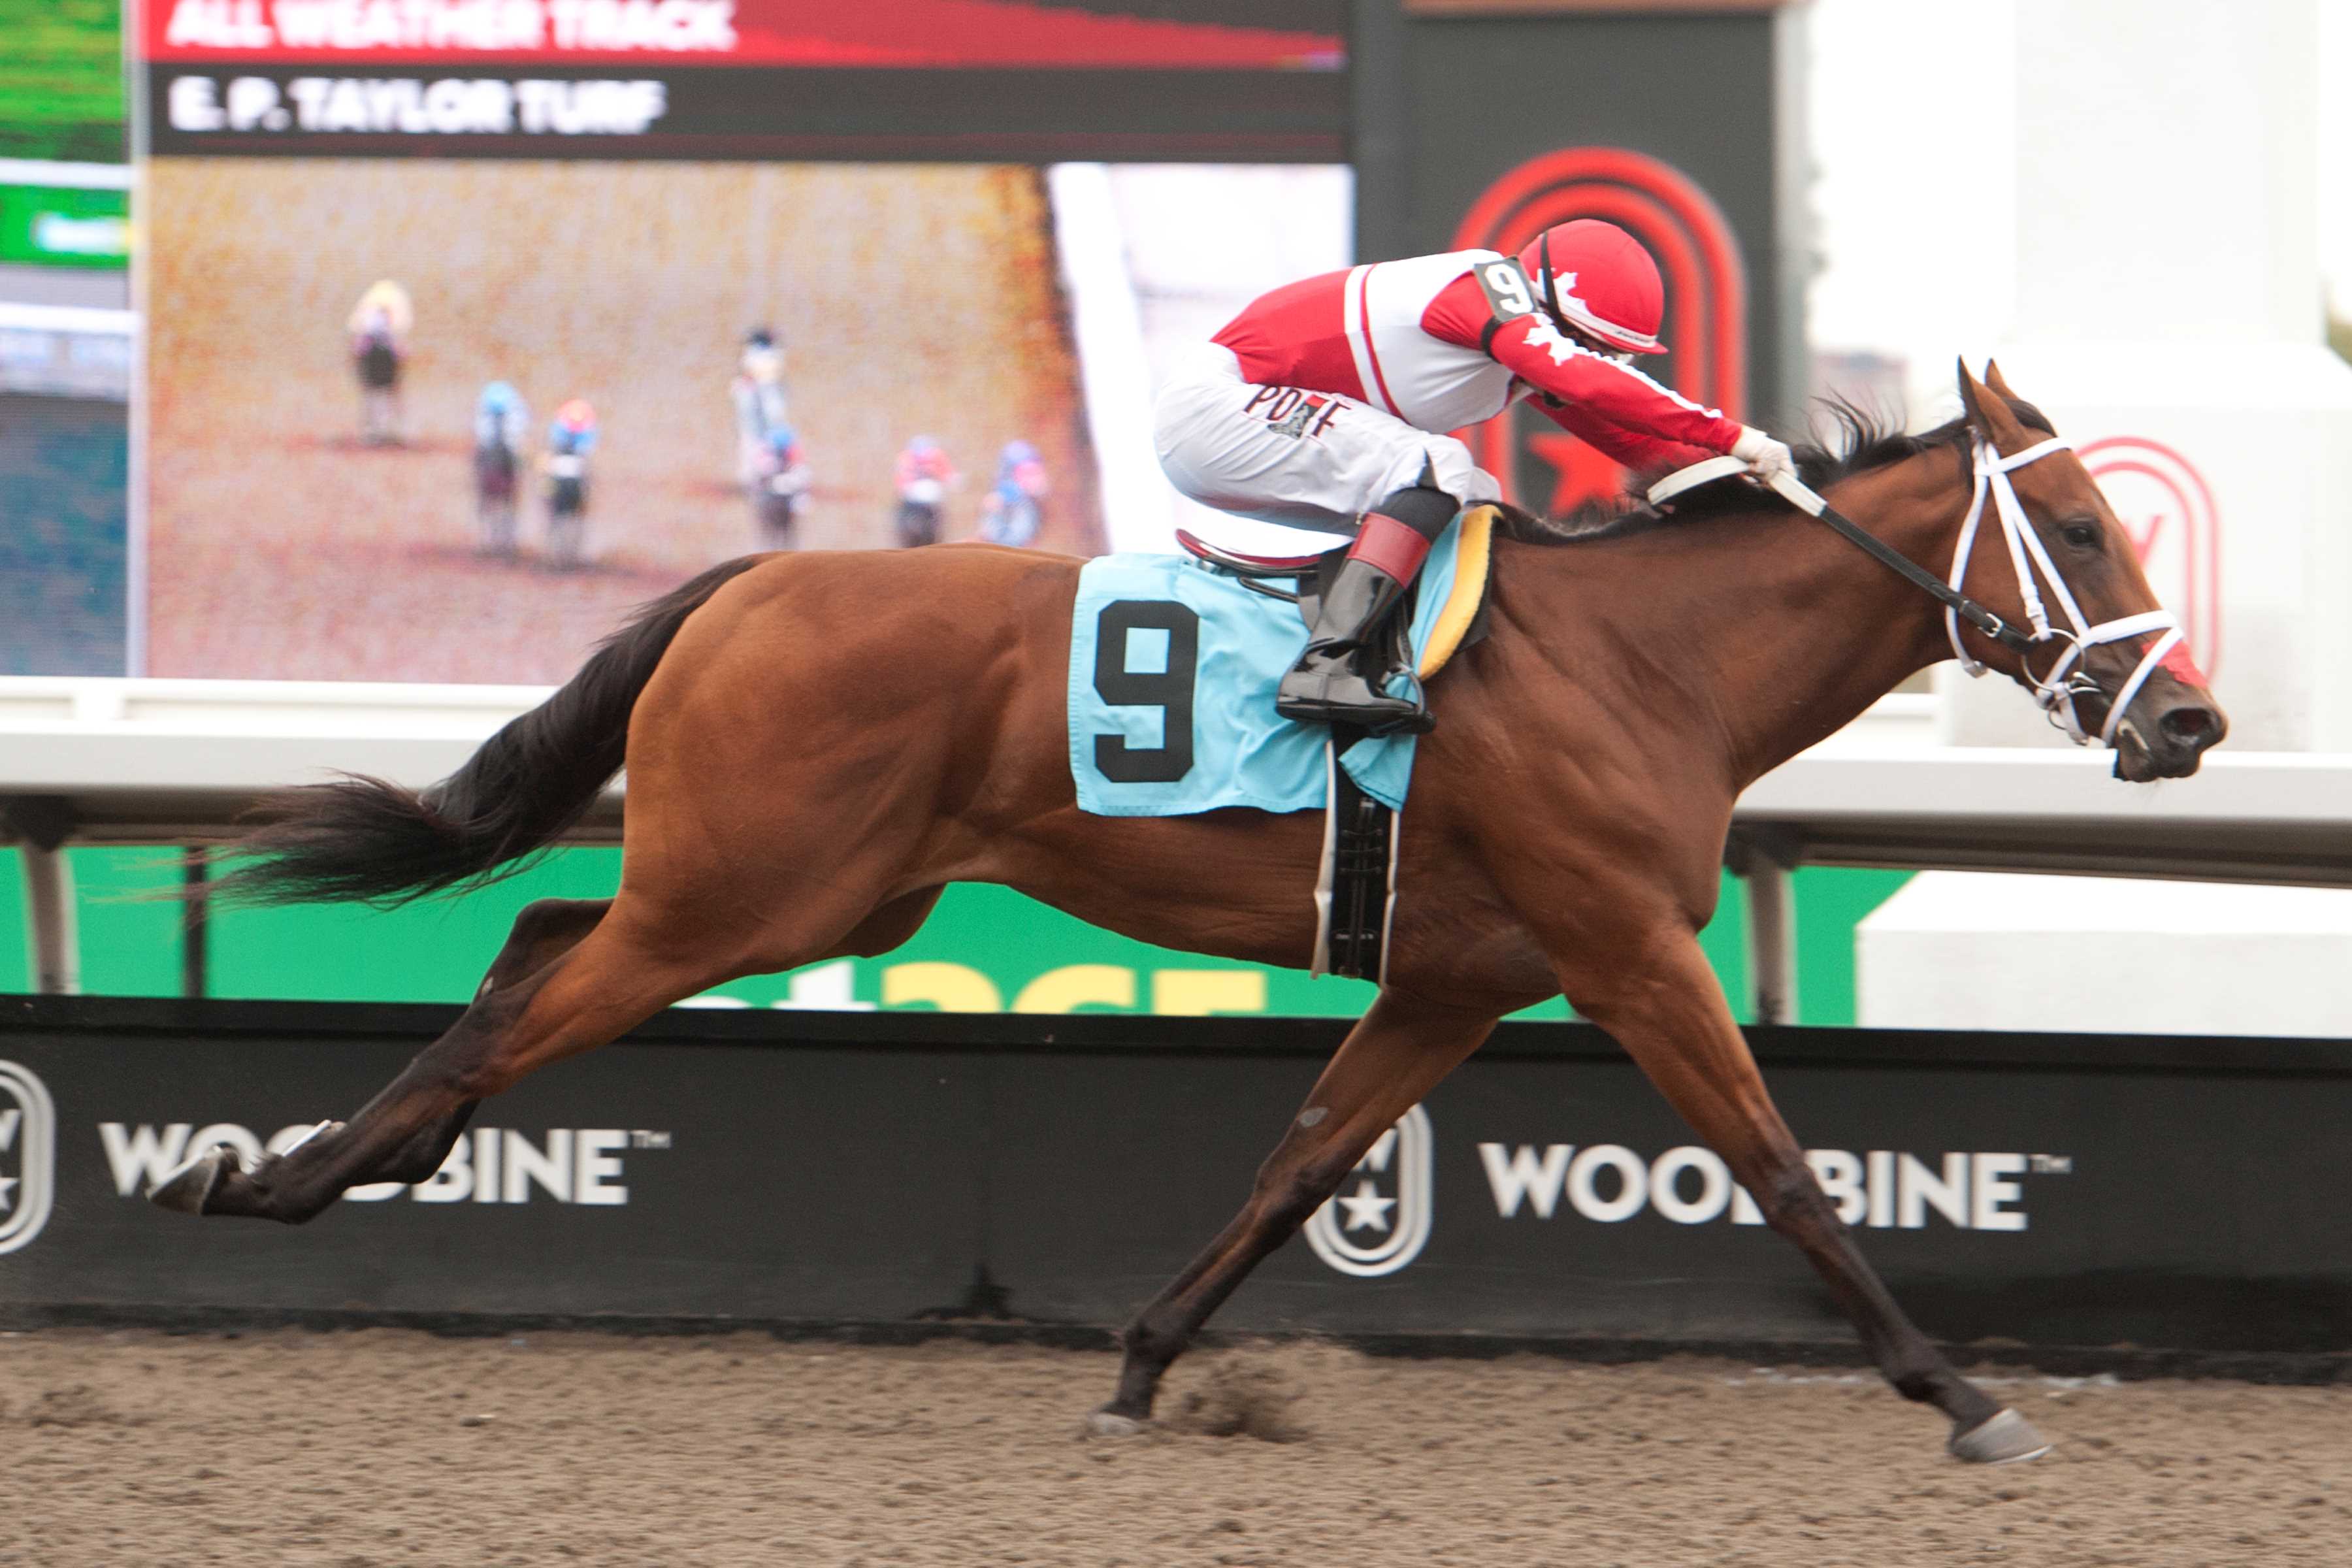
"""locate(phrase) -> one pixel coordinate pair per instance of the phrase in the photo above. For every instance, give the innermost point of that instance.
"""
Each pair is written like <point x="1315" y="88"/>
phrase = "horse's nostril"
<point x="2188" y="724"/>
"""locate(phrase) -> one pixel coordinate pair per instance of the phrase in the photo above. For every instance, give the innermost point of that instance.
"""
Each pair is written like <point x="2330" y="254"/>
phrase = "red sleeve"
<point x="1599" y="389"/>
<point x="1459" y="314"/>
<point x="1643" y="454"/>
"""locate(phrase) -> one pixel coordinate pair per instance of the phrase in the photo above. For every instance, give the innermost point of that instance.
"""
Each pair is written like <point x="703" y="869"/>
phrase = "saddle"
<point x="1463" y="620"/>
<point x="1308" y="574"/>
<point x="1355" y="890"/>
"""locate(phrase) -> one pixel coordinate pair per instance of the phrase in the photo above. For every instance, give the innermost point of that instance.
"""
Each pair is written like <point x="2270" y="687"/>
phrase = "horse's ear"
<point x="1993" y="379"/>
<point x="1989" y="413"/>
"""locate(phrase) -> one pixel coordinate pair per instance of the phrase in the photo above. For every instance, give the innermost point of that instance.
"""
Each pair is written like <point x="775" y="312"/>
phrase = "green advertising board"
<point x="61" y="80"/>
<point x="986" y="949"/>
<point x="64" y="225"/>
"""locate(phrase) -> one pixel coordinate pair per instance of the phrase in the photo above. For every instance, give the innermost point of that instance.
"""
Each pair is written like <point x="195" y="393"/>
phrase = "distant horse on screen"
<point x="379" y="327"/>
<point x="818" y="745"/>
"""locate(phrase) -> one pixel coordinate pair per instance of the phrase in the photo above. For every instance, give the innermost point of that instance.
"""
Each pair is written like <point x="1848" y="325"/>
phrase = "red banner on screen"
<point x="904" y="33"/>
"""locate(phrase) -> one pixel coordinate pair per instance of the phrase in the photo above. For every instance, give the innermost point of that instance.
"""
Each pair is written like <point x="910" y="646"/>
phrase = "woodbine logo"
<point x="28" y="1143"/>
<point x="1380" y="1219"/>
<point x="488" y="1164"/>
<point x="1881" y="1188"/>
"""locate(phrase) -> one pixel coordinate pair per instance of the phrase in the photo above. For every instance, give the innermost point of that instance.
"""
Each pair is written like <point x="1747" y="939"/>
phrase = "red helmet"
<point x="1595" y="276"/>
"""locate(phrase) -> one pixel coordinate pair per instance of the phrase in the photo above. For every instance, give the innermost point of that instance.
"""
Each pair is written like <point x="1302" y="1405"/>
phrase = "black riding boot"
<point x="1325" y="687"/>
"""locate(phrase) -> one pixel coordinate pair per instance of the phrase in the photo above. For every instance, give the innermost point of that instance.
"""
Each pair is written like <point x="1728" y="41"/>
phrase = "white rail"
<point x="177" y="762"/>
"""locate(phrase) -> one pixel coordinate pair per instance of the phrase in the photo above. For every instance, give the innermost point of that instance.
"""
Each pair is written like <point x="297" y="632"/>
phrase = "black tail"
<point x="363" y="839"/>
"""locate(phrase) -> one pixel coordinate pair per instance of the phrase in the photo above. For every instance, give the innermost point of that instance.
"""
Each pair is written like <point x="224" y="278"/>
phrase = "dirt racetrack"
<point x="387" y="1447"/>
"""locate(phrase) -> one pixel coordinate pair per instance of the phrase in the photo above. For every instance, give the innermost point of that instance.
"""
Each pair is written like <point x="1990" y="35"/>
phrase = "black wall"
<point x="1443" y="105"/>
<point x="876" y="1168"/>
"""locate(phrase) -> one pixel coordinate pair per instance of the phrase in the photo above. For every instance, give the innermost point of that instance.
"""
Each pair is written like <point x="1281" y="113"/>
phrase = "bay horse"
<point x="818" y="743"/>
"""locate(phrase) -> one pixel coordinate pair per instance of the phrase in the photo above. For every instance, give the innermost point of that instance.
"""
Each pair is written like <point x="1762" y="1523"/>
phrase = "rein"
<point x="2056" y="692"/>
<point x="1797" y="493"/>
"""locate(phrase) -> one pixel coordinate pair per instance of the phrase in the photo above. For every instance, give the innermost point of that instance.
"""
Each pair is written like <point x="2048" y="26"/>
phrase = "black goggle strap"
<point x="1550" y="286"/>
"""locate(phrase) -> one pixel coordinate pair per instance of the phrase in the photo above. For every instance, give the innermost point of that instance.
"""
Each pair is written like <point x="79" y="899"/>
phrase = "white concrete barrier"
<point x="1956" y="950"/>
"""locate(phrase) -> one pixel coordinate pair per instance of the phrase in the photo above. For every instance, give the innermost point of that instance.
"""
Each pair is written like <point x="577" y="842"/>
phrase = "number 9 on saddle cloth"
<point x="1173" y="663"/>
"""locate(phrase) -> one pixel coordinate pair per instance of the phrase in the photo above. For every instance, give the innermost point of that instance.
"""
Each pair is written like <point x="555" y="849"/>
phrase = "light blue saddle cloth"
<point x="1172" y="671"/>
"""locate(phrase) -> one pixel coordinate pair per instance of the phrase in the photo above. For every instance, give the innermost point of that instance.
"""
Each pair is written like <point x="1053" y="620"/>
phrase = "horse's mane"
<point x="1864" y="439"/>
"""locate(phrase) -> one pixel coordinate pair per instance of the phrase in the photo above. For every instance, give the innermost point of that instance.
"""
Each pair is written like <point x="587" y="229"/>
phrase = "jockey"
<point x="1011" y="512"/>
<point x="1324" y="405"/>
<point x="922" y="469"/>
<point x="922" y="475"/>
<point x="759" y="399"/>
<point x="379" y="327"/>
<point x="382" y="318"/>
<point x="573" y="433"/>
<point x="570" y="439"/>
<point x="783" y="471"/>
<point x="501" y="418"/>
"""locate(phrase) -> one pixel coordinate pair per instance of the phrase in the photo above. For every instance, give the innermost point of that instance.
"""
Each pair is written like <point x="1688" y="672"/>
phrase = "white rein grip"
<point x="1682" y="480"/>
<point x="1799" y="494"/>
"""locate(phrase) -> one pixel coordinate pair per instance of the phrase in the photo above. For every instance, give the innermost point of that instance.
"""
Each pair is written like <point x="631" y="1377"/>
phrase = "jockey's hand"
<point x="1766" y="459"/>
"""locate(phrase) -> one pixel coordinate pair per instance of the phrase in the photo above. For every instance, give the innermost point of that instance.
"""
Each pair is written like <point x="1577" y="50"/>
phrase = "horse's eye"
<point x="2080" y="535"/>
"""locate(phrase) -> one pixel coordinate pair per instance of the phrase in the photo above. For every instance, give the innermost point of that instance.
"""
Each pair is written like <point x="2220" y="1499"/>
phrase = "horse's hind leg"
<point x="571" y="978"/>
<point x="544" y="932"/>
<point x="1389" y="1061"/>
<point x="1668" y="1010"/>
<point x="400" y="1135"/>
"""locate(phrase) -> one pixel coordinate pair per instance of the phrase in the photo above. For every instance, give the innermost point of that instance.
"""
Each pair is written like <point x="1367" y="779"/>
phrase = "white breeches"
<point x="1304" y="459"/>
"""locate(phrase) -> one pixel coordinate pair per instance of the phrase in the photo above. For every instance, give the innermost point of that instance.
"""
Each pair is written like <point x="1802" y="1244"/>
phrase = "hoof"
<point x="1111" y="1424"/>
<point x="2003" y="1438"/>
<point x="191" y="1187"/>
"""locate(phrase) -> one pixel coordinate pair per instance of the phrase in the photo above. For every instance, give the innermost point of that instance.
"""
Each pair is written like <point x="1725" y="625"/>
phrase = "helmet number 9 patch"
<point x="1507" y="288"/>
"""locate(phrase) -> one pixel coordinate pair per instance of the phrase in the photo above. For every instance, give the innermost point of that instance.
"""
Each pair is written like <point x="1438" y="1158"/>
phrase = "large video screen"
<point x="445" y="420"/>
<point x="426" y="403"/>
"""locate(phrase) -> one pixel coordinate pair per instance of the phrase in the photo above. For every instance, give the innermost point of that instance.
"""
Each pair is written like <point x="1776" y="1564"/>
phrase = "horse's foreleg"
<point x="1389" y="1061"/>
<point x="1668" y="1010"/>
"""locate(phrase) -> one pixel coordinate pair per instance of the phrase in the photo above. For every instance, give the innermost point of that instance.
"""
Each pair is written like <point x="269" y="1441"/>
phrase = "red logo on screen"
<point x="1707" y="294"/>
<point x="2167" y="509"/>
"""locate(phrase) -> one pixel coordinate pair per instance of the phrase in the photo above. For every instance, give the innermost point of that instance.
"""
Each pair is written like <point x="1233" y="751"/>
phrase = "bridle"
<point x="2066" y="680"/>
